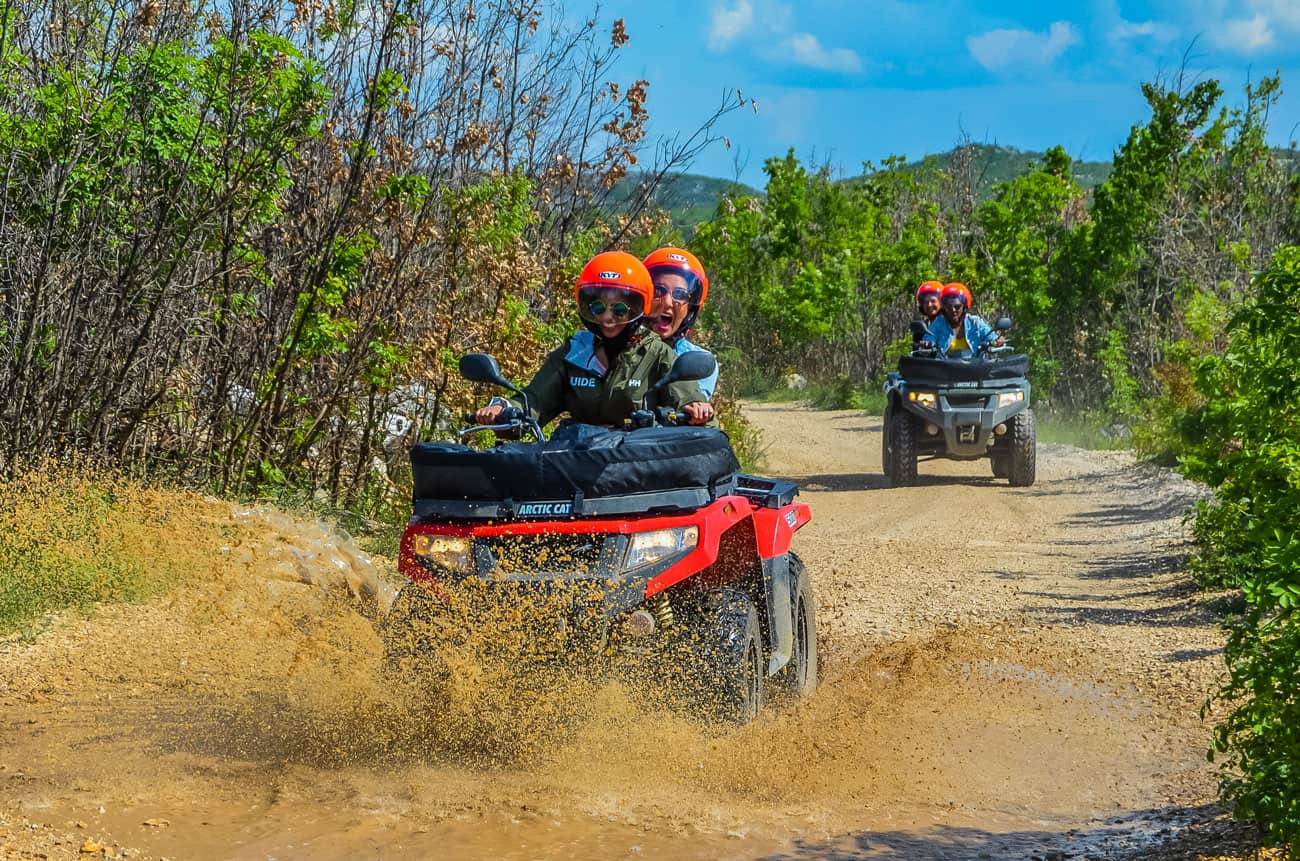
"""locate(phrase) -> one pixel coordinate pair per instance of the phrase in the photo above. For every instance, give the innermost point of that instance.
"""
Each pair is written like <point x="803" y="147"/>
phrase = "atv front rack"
<point x="767" y="492"/>
<point x="653" y="502"/>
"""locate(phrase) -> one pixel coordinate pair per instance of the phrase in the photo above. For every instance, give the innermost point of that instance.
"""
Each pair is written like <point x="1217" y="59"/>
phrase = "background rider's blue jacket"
<point x="708" y="384"/>
<point x="978" y="333"/>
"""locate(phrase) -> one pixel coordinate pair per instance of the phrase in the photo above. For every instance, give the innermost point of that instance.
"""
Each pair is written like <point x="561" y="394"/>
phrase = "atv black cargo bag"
<point x="579" y="460"/>
<point x="938" y="372"/>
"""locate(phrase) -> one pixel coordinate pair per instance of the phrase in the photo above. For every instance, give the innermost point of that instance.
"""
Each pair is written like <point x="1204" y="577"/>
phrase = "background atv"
<point x="960" y="408"/>
<point x="644" y="546"/>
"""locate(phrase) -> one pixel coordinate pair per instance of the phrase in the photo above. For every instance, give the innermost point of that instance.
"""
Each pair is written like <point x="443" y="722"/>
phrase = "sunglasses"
<point x="679" y="294"/>
<point x="620" y="309"/>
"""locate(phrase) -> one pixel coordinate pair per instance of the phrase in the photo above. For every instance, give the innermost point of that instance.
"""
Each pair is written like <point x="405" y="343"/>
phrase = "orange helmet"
<point x="615" y="281"/>
<point x="679" y="261"/>
<point x="965" y="291"/>
<point x="957" y="290"/>
<point x="935" y="287"/>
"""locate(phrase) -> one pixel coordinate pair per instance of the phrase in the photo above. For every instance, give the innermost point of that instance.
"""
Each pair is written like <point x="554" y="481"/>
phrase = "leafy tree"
<point x="1245" y="443"/>
<point x="1025" y="228"/>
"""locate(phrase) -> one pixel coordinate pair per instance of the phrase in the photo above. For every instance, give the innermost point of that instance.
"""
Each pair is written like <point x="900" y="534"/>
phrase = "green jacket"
<point x="570" y="381"/>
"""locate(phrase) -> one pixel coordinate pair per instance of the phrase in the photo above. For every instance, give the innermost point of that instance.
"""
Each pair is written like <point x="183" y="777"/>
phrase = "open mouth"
<point x="662" y="323"/>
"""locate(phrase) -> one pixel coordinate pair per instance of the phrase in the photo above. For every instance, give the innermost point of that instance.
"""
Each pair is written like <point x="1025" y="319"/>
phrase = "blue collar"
<point x="582" y="352"/>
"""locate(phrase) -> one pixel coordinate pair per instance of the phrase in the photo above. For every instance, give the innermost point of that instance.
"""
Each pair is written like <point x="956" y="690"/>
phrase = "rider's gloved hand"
<point x="700" y="412"/>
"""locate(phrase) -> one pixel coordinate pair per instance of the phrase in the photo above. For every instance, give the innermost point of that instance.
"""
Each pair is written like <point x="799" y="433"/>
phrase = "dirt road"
<point x="1007" y="674"/>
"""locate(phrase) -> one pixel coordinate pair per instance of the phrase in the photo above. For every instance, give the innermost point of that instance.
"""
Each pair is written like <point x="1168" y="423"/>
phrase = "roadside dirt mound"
<point x="1031" y="688"/>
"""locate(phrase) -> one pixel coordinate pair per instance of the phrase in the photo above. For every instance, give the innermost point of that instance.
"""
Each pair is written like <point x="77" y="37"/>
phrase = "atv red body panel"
<point x="773" y="530"/>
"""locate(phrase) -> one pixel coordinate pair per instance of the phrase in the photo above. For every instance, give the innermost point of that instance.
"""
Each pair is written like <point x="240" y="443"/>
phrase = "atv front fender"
<point x="778" y="587"/>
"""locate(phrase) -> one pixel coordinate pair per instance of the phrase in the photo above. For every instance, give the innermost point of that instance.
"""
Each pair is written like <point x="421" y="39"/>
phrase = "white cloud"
<point x="1126" y="30"/>
<point x="1283" y="13"/>
<point x="805" y="49"/>
<point x="727" y="24"/>
<point x="998" y="48"/>
<point x="1246" y="35"/>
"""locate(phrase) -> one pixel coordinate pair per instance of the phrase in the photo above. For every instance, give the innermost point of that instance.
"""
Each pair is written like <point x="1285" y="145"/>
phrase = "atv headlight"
<point x="922" y="399"/>
<point x="648" y="547"/>
<point x="443" y="551"/>
<point x="1006" y="399"/>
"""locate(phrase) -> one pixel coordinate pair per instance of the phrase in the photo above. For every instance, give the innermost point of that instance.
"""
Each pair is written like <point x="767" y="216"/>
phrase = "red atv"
<point x="644" y="544"/>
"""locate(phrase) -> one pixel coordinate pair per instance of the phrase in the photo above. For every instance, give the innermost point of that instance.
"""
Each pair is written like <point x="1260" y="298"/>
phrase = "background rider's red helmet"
<point x="613" y="279"/>
<point x="935" y="287"/>
<point x="681" y="262"/>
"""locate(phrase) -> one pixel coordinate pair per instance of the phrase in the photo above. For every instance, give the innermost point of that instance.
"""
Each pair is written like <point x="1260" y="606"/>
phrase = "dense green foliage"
<point x="1114" y="296"/>
<point x="242" y="245"/>
<point x="1244" y="441"/>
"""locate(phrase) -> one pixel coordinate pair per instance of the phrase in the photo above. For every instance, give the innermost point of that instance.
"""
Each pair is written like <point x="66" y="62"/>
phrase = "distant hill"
<point x="691" y="198"/>
<point x="993" y="164"/>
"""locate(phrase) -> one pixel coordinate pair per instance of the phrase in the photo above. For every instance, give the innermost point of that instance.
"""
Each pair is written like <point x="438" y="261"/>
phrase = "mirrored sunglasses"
<point x="679" y="294"/>
<point x="620" y="309"/>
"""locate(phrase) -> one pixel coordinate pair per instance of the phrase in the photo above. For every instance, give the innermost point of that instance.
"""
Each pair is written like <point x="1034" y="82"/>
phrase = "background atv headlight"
<point x="647" y="547"/>
<point x="441" y="550"/>
<point x="924" y="399"/>
<point x="1006" y="399"/>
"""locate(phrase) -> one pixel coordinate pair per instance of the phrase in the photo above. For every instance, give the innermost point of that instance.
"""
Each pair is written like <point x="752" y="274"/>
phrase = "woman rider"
<point x="927" y="302"/>
<point x="955" y="330"/>
<point x="681" y="286"/>
<point x="600" y="375"/>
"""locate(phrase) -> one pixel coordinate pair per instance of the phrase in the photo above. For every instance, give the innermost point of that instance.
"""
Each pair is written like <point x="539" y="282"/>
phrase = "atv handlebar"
<point x="511" y="424"/>
<point x="658" y="417"/>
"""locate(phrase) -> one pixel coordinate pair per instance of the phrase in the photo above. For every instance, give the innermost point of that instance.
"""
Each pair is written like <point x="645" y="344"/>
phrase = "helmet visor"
<point x="610" y="304"/>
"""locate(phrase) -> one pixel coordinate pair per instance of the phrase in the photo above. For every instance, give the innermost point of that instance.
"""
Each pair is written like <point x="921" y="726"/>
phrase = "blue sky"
<point x="849" y="82"/>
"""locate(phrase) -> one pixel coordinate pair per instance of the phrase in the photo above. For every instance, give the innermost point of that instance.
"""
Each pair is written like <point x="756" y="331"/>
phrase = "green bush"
<point x="1244" y="441"/>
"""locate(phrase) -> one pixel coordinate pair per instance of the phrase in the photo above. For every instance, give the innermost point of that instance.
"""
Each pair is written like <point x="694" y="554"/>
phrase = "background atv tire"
<point x="729" y="674"/>
<point x="884" y="437"/>
<point x="799" y="677"/>
<point x="998" y="462"/>
<point x="901" y="469"/>
<point x="1024" y="450"/>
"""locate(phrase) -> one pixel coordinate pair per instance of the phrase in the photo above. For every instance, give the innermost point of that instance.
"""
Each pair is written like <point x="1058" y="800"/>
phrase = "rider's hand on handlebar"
<point x="700" y="412"/>
<point x="1000" y="342"/>
<point x="488" y="415"/>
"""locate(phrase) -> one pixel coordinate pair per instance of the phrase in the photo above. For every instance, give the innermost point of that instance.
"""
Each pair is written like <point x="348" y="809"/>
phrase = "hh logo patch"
<point x="633" y="383"/>
<point x="582" y="382"/>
